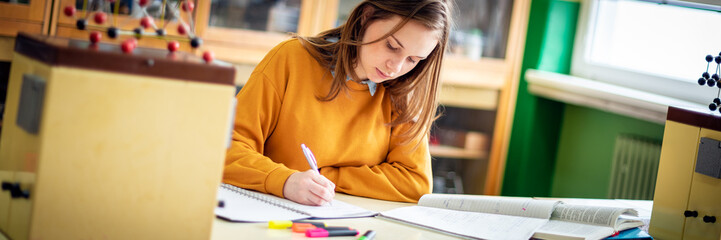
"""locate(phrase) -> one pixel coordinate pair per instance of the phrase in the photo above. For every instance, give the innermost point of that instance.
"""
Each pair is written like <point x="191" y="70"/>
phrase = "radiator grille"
<point x="634" y="168"/>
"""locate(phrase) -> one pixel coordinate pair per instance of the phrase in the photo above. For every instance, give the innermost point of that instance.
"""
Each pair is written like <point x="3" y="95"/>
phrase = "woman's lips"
<point x="381" y="74"/>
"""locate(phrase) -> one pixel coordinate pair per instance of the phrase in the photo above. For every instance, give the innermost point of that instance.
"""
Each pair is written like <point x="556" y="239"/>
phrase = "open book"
<point x="587" y="222"/>
<point x="493" y="217"/>
<point x="241" y="205"/>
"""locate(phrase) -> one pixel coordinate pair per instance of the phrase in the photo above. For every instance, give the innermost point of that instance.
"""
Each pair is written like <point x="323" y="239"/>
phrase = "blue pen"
<point x="309" y="156"/>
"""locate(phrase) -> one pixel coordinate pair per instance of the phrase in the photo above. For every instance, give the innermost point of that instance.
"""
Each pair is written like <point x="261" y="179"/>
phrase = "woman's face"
<point x="397" y="54"/>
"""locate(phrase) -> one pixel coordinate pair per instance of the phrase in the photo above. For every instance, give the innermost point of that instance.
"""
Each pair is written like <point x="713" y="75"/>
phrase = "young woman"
<point x="362" y="96"/>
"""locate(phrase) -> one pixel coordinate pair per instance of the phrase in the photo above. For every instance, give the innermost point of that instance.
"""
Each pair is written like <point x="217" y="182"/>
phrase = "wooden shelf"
<point x="486" y="73"/>
<point x="455" y="152"/>
<point x="7" y="44"/>
<point x="468" y="97"/>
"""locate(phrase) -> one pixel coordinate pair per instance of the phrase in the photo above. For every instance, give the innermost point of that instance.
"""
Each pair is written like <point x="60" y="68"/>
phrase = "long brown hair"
<point x="414" y="96"/>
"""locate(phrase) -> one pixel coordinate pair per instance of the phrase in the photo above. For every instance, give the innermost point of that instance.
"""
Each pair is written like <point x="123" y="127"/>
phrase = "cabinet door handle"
<point x="7" y="186"/>
<point x="709" y="219"/>
<point x="689" y="213"/>
<point x="15" y="191"/>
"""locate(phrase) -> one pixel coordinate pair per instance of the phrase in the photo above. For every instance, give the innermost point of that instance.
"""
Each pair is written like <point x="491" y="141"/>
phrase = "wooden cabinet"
<point x="244" y="31"/>
<point x="30" y="16"/>
<point x="488" y="85"/>
<point x="26" y="15"/>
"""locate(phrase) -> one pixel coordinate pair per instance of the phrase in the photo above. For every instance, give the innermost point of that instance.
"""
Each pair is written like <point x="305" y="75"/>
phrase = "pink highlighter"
<point x="319" y="232"/>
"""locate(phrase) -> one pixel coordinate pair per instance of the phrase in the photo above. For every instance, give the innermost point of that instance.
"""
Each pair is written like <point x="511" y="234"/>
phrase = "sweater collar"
<point x="372" y="86"/>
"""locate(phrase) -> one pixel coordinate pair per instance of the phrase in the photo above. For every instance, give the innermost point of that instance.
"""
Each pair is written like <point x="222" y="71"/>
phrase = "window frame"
<point x="661" y="85"/>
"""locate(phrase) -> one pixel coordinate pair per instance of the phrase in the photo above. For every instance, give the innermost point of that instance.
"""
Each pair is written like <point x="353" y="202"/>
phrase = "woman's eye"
<point x="388" y="44"/>
<point x="411" y="60"/>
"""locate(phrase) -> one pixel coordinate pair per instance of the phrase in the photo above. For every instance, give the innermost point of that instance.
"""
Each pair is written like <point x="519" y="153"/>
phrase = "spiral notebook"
<point x="242" y="205"/>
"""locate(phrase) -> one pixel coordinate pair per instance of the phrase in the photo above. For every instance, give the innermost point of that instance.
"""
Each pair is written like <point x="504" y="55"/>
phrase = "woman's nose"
<point x="394" y="67"/>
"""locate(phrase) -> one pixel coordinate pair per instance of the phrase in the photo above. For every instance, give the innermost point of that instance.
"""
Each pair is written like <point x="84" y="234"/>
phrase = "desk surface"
<point x="385" y="229"/>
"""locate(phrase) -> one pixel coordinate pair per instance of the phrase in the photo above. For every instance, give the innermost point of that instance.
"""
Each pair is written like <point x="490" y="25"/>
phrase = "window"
<point x="260" y="15"/>
<point x="651" y="47"/>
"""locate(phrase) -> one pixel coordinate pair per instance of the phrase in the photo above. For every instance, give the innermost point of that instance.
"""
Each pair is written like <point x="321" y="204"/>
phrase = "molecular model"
<point x="712" y="80"/>
<point x="100" y="20"/>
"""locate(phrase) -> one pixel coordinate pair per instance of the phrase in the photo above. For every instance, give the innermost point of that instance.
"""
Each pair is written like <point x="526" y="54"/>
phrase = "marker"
<point x="319" y="232"/>
<point x="317" y="224"/>
<point x="304" y="227"/>
<point x="368" y="235"/>
<point x="280" y="224"/>
<point x="283" y="224"/>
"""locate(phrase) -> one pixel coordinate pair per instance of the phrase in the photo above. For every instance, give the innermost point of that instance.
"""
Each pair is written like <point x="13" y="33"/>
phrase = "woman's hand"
<point x="309" y="188"/>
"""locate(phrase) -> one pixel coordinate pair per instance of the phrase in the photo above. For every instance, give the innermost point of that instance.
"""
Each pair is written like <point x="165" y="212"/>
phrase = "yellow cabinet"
<point x="98" y="144"/>
<point x="686" y="199"/>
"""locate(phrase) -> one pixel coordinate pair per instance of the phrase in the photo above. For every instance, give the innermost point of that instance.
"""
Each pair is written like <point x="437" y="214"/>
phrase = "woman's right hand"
<point x="309" y="188"/>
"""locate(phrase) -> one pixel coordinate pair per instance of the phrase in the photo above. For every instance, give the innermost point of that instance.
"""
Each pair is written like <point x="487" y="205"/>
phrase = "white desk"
<point x="384" y="229"/>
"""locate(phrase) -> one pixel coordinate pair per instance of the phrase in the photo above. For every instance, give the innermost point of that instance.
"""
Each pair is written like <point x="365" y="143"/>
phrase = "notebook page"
<point x="241" y="208"/>
<point x="336" y="209"/>
<point x="524" y="207"/>
<point x="467" y="224"/>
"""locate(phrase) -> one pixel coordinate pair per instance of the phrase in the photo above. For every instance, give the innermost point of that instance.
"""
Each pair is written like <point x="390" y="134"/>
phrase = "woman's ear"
<point x="366" y="14"/>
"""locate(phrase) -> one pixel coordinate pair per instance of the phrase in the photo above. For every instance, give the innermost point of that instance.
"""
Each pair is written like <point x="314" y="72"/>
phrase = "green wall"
<point x="537" y="121"/>
<point x="583" y="166"/>
<point x="558" y="149"/>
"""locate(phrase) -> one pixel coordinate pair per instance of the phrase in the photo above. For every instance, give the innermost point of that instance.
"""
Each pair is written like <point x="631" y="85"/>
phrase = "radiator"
<point x="634" y="168"/>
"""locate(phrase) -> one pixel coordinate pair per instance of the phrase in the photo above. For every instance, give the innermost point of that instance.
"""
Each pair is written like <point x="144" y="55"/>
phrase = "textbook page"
<point x="604" y="216"/>
<point x="467" y="224"/>
<point x="250" y="206"/>
<point x="587" y="222"/>
<point x="556" y="229"/>
<point x="516" y="206"/>
<point x="643" y="207"/>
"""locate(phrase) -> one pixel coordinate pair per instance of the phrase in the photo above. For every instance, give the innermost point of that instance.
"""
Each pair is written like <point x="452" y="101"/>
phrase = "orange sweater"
<point x="278" y="110"/>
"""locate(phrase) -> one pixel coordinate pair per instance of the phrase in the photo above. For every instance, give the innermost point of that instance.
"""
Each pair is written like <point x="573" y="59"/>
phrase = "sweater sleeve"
<point x="255" y="118"/>
<point x="405" y="175"/>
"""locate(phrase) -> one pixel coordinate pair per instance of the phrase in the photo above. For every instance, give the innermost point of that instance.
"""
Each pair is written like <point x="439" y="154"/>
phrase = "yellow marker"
<point x="282" y="224"/>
